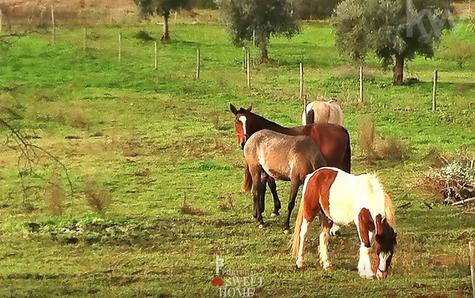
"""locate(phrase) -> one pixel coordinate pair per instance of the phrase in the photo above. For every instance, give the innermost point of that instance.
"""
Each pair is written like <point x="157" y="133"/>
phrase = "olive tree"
<point x="264" y="17"/>
<point x="396" y="30"/>
<point x="162" y="8"/>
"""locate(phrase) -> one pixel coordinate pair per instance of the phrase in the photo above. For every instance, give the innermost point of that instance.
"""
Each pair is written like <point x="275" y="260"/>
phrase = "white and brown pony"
<point x="282" y="157"/>
<point x="322" y="112"/>
<point x="342" y="198"/>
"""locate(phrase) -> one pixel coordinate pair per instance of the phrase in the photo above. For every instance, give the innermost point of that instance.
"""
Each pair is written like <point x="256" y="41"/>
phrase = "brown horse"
<point x="282" y="157"/>
<point x="332" y="140"/>
<point x="339" y="197"/>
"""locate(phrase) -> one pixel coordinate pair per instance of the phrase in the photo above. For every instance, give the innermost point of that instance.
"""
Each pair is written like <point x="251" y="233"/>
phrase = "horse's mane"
<point x="388" y="205"/>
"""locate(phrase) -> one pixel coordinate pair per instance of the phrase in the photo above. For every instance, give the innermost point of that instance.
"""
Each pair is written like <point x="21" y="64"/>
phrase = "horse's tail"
<point x="247" y="182"/>
<point x="347" y="156"/>
<point x="298" y="225"/>
<point x="389" y="211"/>
<point x="308" y="115"/>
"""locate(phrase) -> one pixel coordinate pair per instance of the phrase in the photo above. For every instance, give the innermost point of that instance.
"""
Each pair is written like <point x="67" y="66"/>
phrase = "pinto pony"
<point x="322" y="112"/>
<point x="342" y="198"/>
<point x="332" y="140"/>
<point x="291" y="158"/>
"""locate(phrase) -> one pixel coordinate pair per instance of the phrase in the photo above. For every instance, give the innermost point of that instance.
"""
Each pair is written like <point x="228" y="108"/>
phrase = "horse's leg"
<point x="273" y="189"/>
<point x="323" y="242"/>
<point x="364" y="263"/>
<point x="303" y="232"/>
<point x="294" y="188"/>
<point x="262" y="195"/>
<point x="258" y="191"/>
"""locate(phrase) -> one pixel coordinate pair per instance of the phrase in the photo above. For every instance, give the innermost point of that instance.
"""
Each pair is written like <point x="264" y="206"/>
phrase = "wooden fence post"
<point x="198" y="63"/>
<point x="253" y="47"/>
<point x="434" y="91"/>
<point x="84" y="46"/>
<point x="53" y="23"/>
<point x="248" y="68"/>
<point x="244" y="57"/>
<point x="360" y="99"/>
<point x="301" y="81"/>
<point x="471" y="246"/>
<point x="1" y="20"/>
<point x="156" y="56"/>
<point x="120" y="47"/>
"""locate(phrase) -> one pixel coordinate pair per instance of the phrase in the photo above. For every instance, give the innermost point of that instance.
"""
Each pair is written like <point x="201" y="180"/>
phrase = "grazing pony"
<point x="322" y="112"/>
<point x="332" y="140"/>
<point x="283" y="157"/>
<point x="342" y="198"/>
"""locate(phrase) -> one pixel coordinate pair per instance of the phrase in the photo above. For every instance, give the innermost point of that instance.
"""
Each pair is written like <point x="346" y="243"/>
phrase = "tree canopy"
<point x="162" y="8"/>
<point x="396" y="30"/>
<point x="266" y="17"/>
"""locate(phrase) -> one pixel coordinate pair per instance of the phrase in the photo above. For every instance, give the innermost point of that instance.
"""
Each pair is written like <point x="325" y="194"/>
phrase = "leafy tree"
<point x="314" y="9"/>
<point x="396" y="30"/>
<point x="267" y="17"/>
<point x="163" y="8"/>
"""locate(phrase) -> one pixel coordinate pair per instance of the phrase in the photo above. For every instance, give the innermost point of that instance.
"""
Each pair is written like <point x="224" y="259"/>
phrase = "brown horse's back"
<point x="334" y="144"/>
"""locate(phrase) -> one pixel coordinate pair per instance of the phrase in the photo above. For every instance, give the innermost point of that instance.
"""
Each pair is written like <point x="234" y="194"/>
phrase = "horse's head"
<point x="384" y="246"/>
<point x="241" y="123"/>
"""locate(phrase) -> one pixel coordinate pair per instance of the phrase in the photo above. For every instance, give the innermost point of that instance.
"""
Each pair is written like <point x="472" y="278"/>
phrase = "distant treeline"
<point x="303" y="9"/>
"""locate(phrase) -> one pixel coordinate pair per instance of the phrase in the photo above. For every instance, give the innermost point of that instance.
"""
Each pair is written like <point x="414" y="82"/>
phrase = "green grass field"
<point x="154" y="138"/>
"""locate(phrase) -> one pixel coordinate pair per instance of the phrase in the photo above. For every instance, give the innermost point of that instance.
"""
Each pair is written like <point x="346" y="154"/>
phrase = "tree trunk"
<point x="398" y="71"/>
<point x="166" y="34"/>
<point x="263" y="42"/>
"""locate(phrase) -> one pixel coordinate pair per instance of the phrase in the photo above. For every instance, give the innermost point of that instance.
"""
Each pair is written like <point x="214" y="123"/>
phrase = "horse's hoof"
<point x="274" y="214"/>
<point x="335" y="230"/>
<point x="261" y="226"/>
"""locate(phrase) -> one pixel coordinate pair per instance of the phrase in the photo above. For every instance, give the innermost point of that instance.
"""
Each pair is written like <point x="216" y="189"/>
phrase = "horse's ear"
<point x="233" y="109"/>
<point x="249" y="109"/>
<point x="379" y="225"/>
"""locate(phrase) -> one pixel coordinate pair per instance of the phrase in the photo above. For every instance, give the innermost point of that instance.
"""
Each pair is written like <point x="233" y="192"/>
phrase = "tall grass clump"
<point x="97" y="197"/>
<point x="373" y="148"/>
<point x="55" y="195"/>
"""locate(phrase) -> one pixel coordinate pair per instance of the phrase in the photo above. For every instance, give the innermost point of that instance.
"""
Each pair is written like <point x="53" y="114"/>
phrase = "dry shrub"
<point x="55" y="195"/>
<point x="77" y="118"/>
<point x="187" y="208"/>
<point x="392" y="149"/>
<point x="436" y="159"/>
<point x="128" y="145"/>
<point x="97" y="197"/>
<point x="366" y="136"/>
<point x="374" y="149"/>
<point x="226" y="203"/>
<point x="452" y="177"/>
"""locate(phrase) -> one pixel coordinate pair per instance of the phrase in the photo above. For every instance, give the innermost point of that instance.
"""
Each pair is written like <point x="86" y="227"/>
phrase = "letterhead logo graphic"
<point x="217" y="281"/>
<point x="422" y="22"/>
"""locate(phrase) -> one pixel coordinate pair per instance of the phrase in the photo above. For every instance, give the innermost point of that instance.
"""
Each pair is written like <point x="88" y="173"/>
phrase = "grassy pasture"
<point x="157" y="138"/>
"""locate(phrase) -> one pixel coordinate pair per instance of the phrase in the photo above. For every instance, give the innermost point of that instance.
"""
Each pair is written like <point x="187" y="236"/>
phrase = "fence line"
<point x="245" y="65"/>
<point x="53" y="24"/>
<point x="198" y="63"/>
<point x="301" y="80"/>
<point x="156" y="55"/>
<point x="360" y="99"/>
<point x="120" y="47"/>
<point x="434" y="90"/>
